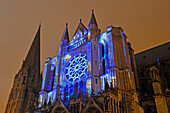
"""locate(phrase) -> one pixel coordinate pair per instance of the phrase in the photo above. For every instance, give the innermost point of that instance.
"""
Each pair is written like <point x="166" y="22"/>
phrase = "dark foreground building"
<point x="94" y="72"/>
<point x="27" y="82"/>
<point x="153" y="67"/>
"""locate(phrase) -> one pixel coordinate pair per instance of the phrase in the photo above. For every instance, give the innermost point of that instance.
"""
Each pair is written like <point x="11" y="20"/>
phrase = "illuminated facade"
<point x="92" y="73"/>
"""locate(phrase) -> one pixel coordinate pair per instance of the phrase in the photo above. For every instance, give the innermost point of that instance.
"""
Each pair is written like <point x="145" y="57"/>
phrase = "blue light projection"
<point x="41" y="99"/>
<point x="77" y="67"/>
<point x="44" y="76"/>
<point x="77" y="42"/>
<point x="70" y="73"/>
<point x="49" y="96"/>
<point x="109" y="28"/>
<point x="103" y="38"/>
<point x="158" y="60"/>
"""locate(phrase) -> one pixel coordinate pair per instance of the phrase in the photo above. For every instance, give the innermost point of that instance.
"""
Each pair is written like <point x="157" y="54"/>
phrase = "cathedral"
<point x="94" y="72"/>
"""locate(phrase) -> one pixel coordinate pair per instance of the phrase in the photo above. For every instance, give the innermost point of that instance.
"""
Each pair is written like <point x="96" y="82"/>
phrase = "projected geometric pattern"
<point x="77" y="67"/>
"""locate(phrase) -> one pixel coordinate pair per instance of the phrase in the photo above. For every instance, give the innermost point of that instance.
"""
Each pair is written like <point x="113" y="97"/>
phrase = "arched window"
<point x="71" y="91"/>
<point x="103" y="65"/>
<point x="66" y="93"/>
<point x="76" y="89"/>
<point x="53" y="78"/>
<point x="102" y="50"/>
<point x="96" y="80"/>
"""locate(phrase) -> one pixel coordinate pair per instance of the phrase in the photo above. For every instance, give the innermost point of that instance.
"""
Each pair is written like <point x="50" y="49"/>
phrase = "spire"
<point x="33" y="57"/>
<point x="93" y="24"/>
<point x="65" y="38"/>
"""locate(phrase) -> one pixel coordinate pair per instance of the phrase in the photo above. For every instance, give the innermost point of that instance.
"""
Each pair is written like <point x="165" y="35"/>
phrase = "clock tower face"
<point x="77" y="67"/>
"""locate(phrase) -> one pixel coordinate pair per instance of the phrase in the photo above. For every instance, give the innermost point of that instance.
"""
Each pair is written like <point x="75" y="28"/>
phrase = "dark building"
<point x="27" y="82"/>
<point x="153" y="66"/>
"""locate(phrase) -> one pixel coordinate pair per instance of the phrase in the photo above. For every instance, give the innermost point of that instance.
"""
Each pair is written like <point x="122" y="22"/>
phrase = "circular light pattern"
<point x="77" y="67"/>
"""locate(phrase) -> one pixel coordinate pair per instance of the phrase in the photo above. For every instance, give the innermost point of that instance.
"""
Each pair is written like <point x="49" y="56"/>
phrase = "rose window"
<point x="77" y="67"/>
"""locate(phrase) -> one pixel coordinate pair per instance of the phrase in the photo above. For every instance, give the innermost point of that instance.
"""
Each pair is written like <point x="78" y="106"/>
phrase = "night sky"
<point x="145" y="22"/>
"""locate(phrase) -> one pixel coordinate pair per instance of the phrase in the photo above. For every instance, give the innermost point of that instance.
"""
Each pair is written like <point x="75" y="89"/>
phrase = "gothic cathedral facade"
<point x="93" y="72"/>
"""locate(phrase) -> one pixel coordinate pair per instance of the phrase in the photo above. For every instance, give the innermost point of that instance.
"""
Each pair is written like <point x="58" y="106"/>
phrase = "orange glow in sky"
<point x="145" y="22"/>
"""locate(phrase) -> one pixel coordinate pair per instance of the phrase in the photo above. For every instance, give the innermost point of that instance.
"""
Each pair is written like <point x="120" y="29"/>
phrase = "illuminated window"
<point x="77" y="67"/>
<point x="88" y="86"/>
<point x="40" y="100"/>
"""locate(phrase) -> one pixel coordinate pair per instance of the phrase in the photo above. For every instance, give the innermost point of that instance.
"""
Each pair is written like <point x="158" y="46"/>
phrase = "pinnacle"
<point x="92" y="22"/>
<point x="65" y="34"/>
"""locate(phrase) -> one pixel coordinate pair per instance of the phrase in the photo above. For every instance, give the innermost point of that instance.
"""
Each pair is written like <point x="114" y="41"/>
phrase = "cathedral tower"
<point x="92" y="73"/>
<point x="27" y="81"/>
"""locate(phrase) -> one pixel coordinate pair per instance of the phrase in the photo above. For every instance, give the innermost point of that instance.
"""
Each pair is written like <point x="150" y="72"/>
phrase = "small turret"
<point x="93" y="24"/>
<point x="65" y="38"/>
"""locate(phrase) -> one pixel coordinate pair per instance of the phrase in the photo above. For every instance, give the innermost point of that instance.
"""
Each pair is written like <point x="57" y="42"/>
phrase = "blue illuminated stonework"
<point x="77" y="67"/>
<point x="86" y="66"/>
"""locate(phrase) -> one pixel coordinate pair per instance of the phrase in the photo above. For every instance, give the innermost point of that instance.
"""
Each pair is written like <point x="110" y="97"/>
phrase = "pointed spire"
<point x="33" y="57"/>
<point x="93" y="24"/>
<point x="65" y="38"/>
